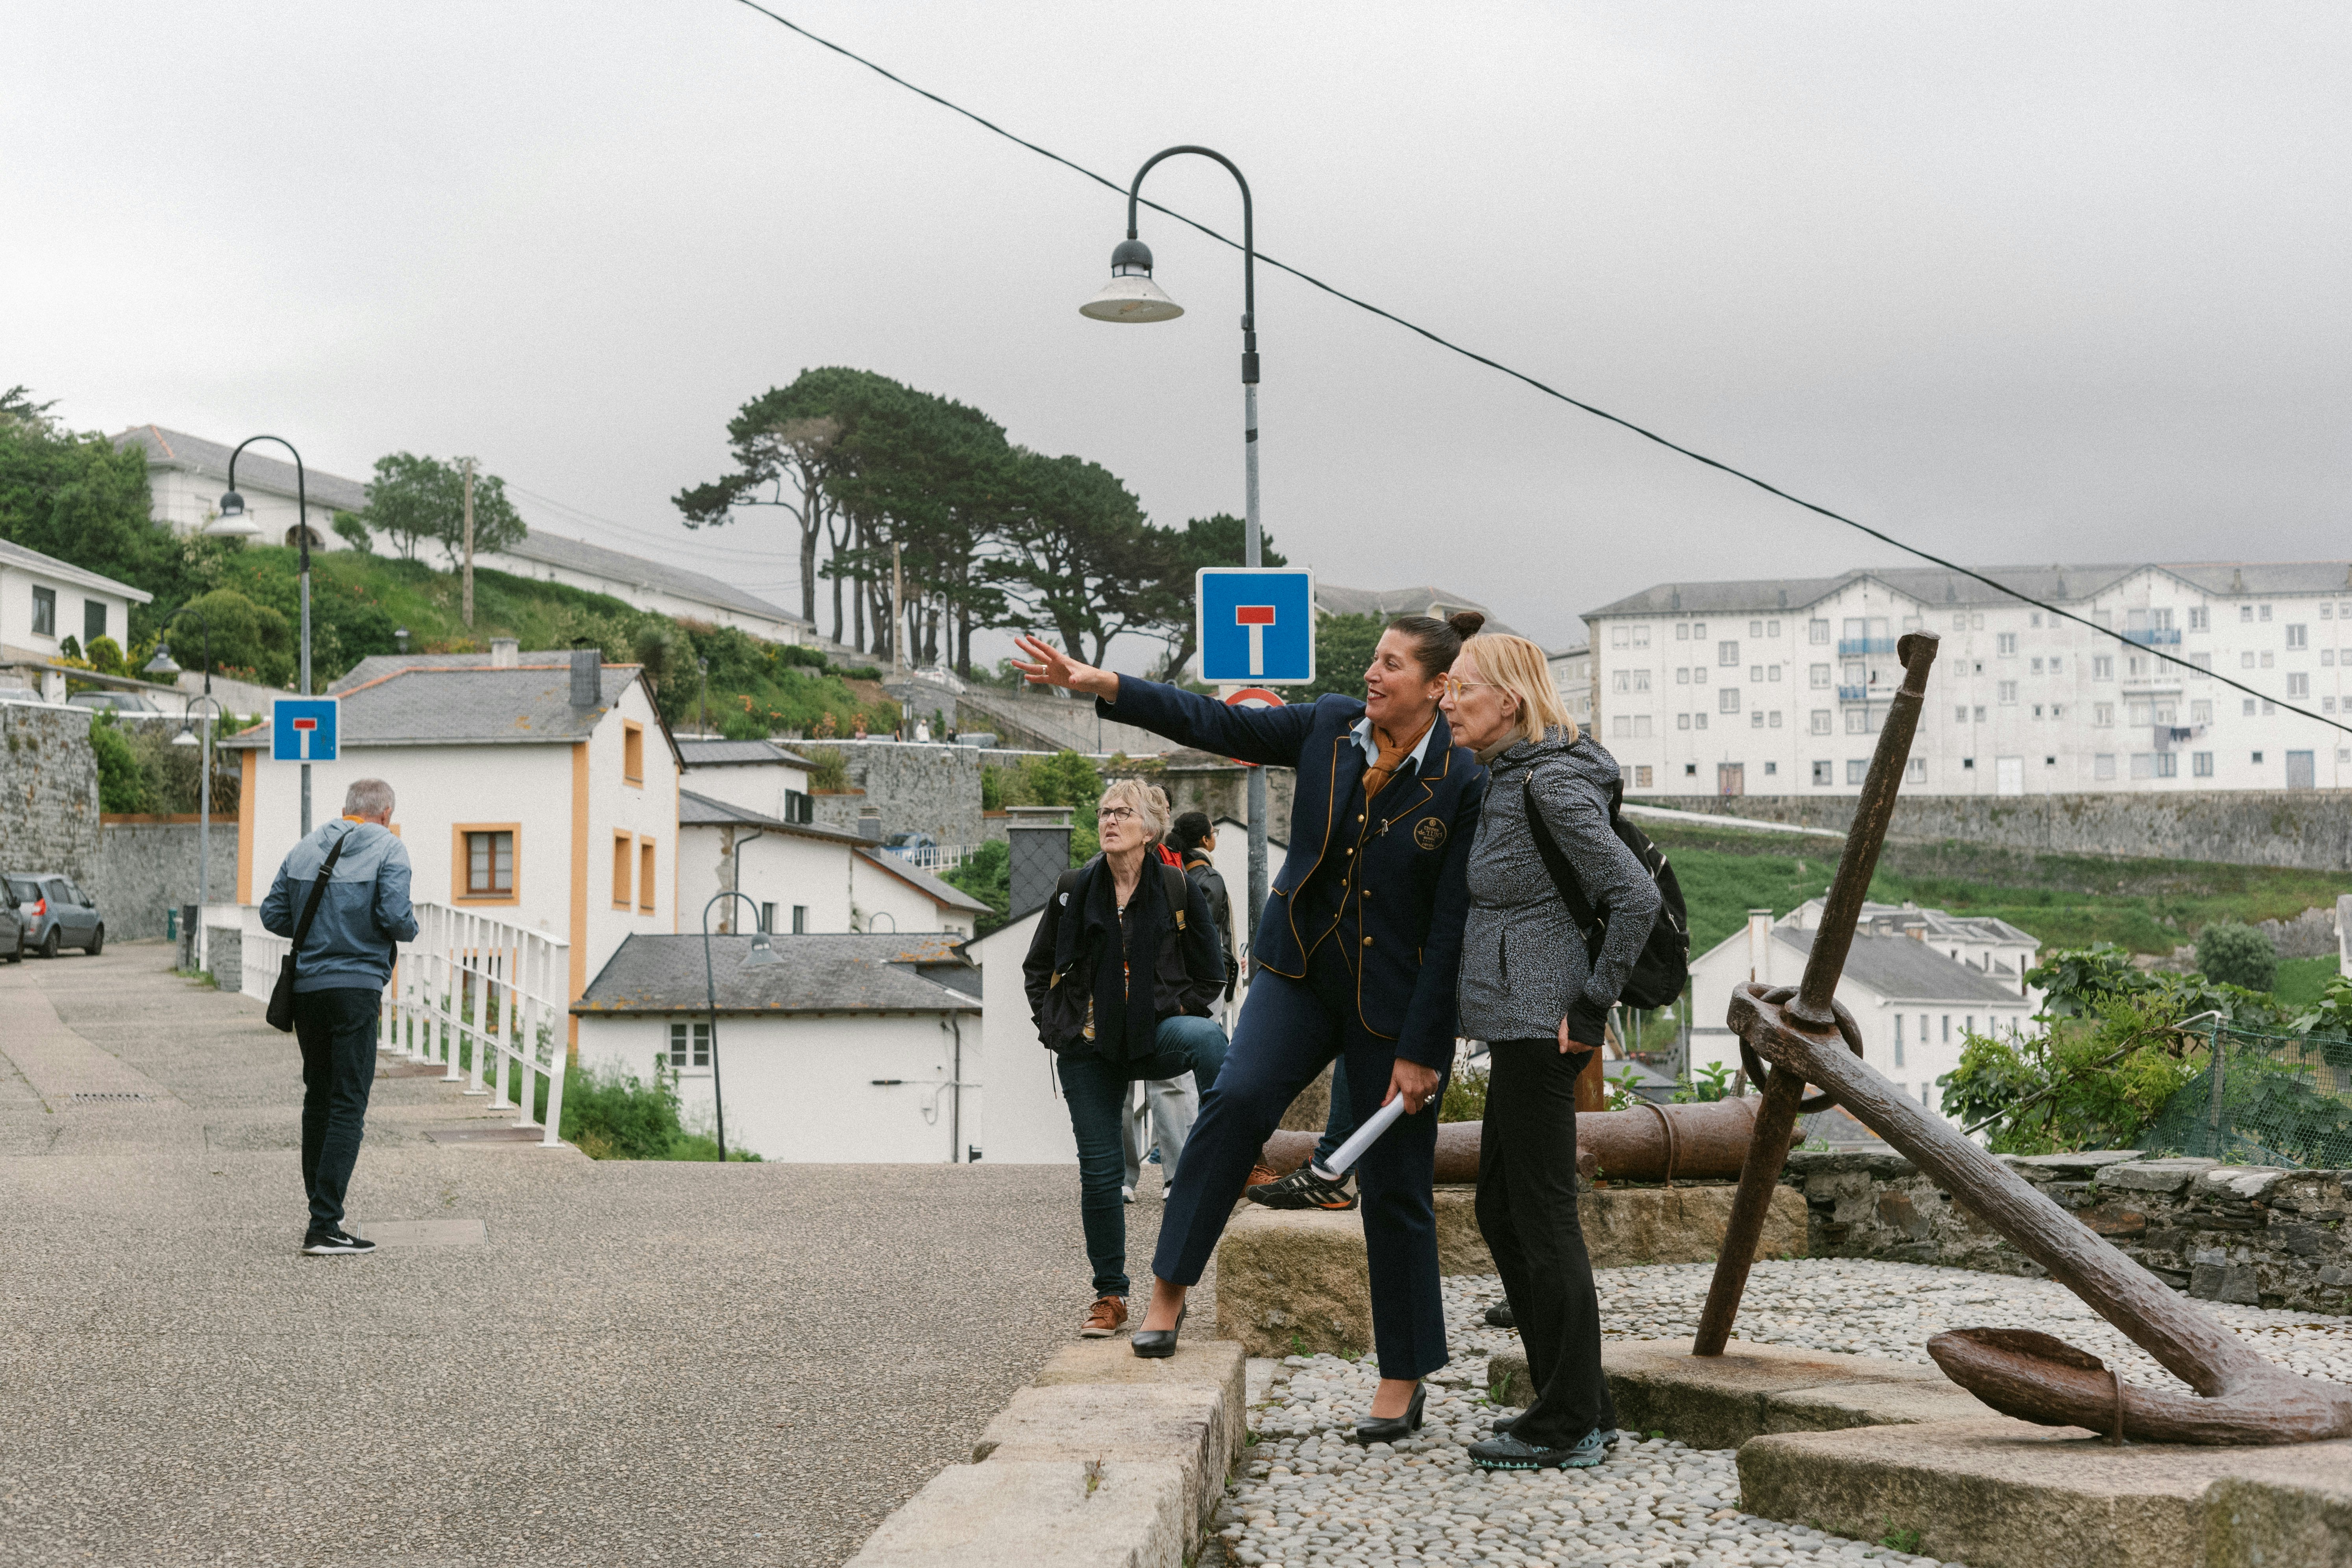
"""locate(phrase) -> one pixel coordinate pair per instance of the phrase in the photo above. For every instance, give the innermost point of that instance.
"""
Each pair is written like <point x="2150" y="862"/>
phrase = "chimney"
<point x="504" y="652"/>
<point x="1760" y="945"/>
<point x="587" y="678"/>
<point x="869" y="823"/>
<point x="1040" y="840"/>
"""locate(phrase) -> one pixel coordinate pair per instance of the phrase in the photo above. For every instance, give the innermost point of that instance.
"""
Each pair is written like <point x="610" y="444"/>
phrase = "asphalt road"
<point x="646" y="1362"/>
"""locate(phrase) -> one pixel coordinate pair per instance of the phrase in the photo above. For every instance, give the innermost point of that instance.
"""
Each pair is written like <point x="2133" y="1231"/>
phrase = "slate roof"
<point x="1390" y="603"/>
<point x="702" y="753"/>
<point x="13" y="554"/>
<point x="1903" y="970"/>
<point x="701" y="811"/>
<point x="1933" y="586"/>
<point x="470" y="705"/>
<point x="829" y="974"/>
<point x="579" y="556"/>
<point x="263" y="468"/>
<point x="943" y="892"/>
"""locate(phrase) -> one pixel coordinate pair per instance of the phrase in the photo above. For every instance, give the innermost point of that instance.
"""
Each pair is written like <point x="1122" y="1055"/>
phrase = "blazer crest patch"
<point x="1429" y="833"/>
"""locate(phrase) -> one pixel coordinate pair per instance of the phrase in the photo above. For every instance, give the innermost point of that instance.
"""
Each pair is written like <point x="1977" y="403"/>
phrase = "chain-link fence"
<point x="2265" y="1100"/>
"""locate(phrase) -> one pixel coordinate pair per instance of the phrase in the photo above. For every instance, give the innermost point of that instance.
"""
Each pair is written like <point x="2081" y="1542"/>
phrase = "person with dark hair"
<point x="1355" y="954"/>
<point x="1194" y="839"/>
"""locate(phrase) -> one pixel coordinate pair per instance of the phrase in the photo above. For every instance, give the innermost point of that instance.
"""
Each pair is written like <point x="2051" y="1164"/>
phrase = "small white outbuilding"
<point x="836" y="1048"/>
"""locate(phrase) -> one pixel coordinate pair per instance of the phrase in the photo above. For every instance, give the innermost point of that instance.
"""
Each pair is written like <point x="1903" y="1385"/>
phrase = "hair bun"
<point x="1466" y="622"/>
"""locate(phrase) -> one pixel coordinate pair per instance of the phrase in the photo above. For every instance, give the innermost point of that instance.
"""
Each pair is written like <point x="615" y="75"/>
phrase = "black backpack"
<point x="1658" y="976"/>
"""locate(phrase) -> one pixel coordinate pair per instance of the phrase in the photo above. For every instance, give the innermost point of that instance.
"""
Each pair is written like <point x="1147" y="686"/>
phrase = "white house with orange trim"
<point x="542" y="788"/>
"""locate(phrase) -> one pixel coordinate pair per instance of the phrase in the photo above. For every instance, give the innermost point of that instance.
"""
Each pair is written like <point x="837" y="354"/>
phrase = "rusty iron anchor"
<point x="1806" y="1037"/>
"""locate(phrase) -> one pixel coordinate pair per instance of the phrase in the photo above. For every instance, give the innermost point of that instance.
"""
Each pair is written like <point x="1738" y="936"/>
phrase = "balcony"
<point x="2154" y="636"/>
<point x="1857" y="647"/>
<point x="1854" y="693"/>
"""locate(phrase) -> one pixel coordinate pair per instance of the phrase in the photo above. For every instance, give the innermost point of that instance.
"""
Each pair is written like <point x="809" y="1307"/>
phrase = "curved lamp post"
<point x="161" y="664"/>
<point x="762" y="955"/>
<point x="236" y="522"/>
<point x="1132" y="296"/>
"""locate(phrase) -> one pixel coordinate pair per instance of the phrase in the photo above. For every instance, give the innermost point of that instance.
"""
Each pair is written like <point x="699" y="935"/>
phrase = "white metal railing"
<point x="470" y="990"/>
<point x="932" y="856"/>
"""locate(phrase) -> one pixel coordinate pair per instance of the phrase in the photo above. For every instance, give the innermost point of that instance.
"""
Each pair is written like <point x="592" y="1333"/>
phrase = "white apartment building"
<point x="44" y="601"/>
<point x="1572" y="672"/>
<point x="1779" y="686"/>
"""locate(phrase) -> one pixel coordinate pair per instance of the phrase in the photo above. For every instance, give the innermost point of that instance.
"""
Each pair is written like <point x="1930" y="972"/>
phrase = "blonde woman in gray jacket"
<point x="1528" y="989"/>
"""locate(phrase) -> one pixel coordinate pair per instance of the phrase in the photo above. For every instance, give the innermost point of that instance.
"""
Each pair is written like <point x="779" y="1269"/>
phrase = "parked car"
<point x="14" y="924"/>
<point x="57" y="914"/>
<point x="906" y="841"/>
<point x="116" y="701"/>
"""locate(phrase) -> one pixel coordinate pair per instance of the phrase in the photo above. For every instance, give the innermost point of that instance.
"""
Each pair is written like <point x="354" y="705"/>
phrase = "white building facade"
<point x="1571" y="674"/>
<point x="1781" y="687"/>
<point x="44" y="601"/>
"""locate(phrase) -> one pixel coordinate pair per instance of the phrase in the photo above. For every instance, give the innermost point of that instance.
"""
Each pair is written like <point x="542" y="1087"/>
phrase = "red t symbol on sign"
<point x="1257" y="618"/>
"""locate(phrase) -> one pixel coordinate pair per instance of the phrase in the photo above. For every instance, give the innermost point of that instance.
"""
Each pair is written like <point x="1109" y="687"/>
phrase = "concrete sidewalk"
<point x="642" y="1364"/>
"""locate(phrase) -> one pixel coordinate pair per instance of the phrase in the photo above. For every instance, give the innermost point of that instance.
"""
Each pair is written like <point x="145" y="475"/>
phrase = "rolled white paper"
<point x="1344" y="1159"/>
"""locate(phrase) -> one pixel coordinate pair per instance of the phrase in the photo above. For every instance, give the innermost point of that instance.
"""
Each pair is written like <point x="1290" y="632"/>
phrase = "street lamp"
<point x="762" y="955"/>
<point x="1132" y="296"/>
<point x="164" y="665"/>
<point x="233" y="520"/>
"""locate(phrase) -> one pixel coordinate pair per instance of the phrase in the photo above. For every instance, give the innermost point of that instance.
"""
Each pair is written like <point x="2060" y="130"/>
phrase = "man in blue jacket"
<point x="339" y="973"/>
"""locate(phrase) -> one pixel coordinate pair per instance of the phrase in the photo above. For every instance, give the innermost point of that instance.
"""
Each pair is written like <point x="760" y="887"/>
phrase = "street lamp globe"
<point x="187" y="735"/>
<point x="762" y="954"/>
<point x="1131" y="295"/>
<point x="162" y="665"/>
<point x="233" y="522"/>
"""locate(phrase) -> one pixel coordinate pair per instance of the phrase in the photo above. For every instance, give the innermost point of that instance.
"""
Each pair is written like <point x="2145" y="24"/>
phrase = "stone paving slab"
<point x="423" y="1232"/>
<point x="647" y="1364"/>
<point x="1038" y="1513"/>
<point x="1997" y="1493"/>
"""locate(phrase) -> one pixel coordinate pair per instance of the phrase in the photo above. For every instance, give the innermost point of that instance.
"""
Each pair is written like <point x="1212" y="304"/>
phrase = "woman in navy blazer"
<point x="1355" y="955"/>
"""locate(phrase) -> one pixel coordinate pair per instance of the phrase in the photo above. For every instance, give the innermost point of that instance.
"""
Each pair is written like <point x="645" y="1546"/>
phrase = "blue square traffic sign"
<point x="1256" y="624"/>
<point x="305" y="729"/>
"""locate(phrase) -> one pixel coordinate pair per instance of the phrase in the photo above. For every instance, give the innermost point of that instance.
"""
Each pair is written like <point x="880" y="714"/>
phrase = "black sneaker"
<point x="336" y="1243"/>
<point x="1303" y="1189"/>
<point x="1500" y="1316"/>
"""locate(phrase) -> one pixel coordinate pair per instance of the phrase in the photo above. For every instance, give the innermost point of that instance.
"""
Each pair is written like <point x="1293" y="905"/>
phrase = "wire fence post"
<point x="2213" y="1132"/>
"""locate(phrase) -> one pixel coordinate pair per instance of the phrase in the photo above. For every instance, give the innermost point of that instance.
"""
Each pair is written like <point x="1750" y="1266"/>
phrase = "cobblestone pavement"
<point x="645" y="1364"/>
<point x="1309" y="1496"/>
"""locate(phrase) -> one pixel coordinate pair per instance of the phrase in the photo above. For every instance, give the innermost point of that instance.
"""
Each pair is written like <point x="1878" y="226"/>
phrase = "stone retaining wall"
<point x="2306" y="828"/>
<point x="2246" y="1233"/>
<point x="49" y="790"/>
<point x="144" y="868"/>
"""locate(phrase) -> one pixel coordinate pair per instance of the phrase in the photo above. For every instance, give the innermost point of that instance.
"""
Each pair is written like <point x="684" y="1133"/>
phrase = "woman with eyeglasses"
<point x="1123" y="974"/>
<point x="1538" y="992"/>
<point x="1353" y="957"/>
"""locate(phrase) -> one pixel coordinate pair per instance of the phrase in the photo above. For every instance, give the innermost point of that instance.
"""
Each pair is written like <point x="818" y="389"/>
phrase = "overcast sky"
<point x="2016" y="282"/>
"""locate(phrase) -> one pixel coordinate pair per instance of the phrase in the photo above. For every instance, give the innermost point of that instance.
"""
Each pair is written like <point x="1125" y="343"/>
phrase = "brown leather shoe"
<point x="1260" y="1174"/>
<point x="1107" y="1316"/>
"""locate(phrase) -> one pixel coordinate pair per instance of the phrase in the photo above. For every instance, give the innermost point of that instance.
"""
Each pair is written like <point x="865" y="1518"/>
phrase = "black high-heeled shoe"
<point x="1392" y="1428"/>
<point x="1157" y="1344"/>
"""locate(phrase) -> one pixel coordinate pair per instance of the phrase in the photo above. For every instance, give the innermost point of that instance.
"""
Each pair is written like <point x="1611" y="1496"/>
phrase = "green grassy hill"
<point x="359" y="600"/>
<point x="2067" y="900"/>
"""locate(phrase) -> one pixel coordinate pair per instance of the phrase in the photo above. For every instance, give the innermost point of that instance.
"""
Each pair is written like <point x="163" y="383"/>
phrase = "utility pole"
<point x="897" y="606"/>
<point x="469" y="540"/>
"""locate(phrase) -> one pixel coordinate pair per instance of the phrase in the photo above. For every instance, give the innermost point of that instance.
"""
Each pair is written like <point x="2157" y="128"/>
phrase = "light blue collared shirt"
<point x="1362" y="731"/>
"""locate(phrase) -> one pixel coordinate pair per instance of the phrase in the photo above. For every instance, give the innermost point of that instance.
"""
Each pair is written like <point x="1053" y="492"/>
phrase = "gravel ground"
<point x="1308" y="1495"/>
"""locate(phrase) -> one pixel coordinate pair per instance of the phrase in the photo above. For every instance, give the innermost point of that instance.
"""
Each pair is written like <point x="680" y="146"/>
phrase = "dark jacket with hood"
<point x="1523" y="964"/>
<point x="1076" y="957"/>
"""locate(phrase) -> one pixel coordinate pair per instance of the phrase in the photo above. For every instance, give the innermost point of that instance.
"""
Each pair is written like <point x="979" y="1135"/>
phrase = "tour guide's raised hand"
<point x="1049" y="665"/>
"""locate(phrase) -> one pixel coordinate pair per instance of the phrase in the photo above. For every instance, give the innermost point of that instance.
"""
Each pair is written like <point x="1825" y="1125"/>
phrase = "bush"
<point x="987" y="875"/>
<point x="1465" y="1097"/>
<point x="121" y="781"/>
<point x="832" y="768"/>
<point x="2236" y="954"/>
<point x="618" y="1117"/>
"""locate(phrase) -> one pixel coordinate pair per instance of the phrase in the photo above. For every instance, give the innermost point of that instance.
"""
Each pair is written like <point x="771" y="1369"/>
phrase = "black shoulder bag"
<point x="281" y="995"/>
<point x="1663" y="968"/>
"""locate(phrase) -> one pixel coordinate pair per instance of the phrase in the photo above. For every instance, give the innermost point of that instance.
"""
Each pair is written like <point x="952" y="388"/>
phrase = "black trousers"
<point x="1527" y="1211"/>
<point x="1288" y="1029"/>
<point x="336" y="1030"/>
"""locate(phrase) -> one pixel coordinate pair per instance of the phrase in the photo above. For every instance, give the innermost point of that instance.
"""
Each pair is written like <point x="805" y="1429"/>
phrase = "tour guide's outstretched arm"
<point x="1272" y="737"/>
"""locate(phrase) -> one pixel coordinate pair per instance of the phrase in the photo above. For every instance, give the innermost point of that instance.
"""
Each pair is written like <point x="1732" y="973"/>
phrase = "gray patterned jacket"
<point x="1522" y="961"/>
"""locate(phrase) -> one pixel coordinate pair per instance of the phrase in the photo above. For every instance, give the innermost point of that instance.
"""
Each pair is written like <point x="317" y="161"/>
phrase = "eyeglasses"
<point x="1115" y="814"/>
<point x="1456" y="687"/>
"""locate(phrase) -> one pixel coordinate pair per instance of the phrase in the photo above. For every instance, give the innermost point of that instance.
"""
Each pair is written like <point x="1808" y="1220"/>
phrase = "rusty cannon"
<point x="1790" y="1038"/>
<point x="1668" y="1143"/>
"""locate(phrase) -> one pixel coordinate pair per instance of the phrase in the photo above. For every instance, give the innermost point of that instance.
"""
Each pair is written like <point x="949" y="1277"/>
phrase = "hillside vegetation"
<point x="2067" y="900"/>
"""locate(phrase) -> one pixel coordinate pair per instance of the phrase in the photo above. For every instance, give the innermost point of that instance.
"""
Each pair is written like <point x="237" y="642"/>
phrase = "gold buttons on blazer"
<point x="1368" y="942"/>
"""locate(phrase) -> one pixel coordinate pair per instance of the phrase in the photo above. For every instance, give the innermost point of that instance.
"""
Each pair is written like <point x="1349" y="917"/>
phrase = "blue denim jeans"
<point x="1096" y="1091"/>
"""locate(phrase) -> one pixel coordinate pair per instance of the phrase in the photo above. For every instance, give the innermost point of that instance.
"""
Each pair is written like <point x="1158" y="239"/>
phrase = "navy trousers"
<point x="1288" y="1030"/>
<point x="336" y="1029"/>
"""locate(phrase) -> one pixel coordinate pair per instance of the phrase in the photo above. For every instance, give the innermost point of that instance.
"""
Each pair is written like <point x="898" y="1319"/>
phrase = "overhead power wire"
<point x="1548" y="390"/>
